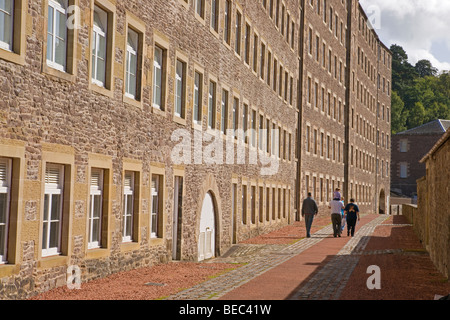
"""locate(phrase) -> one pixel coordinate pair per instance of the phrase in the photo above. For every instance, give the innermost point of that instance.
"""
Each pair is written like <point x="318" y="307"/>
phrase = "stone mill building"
<point x="140" y="132"/>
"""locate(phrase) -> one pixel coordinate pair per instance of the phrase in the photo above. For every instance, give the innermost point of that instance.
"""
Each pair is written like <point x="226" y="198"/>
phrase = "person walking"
<point x="351" y="212"/>
<point x="336" y="205"/>
<point x="309" y="210"/>
<point x="343" y="215"/>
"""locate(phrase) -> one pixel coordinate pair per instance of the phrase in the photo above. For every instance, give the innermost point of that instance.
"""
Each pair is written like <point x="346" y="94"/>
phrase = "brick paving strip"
<point x="268" y="257"/>
<point x="328" y="282"/>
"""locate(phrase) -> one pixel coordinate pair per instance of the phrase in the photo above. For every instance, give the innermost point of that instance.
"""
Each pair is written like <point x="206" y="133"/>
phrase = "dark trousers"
<point x="351" y="223"/>
<point x="308" y="223"/>
<point x="336" y="220"/>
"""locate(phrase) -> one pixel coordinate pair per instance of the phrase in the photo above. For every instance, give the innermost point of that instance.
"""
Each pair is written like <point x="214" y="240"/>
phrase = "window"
<point x="262" y="65"/>
<point x="237" y="45"/>
<point x="200" y="8"/>
<point x="7" y="21"/>
<point x="244" y="204"/>
<point x="310" y="40"/>
<point x="253" y="203"/>
<point x="261" y="133"/>
<point x="224" y="112"/>
<point x="215" y="15"/>
<point x="245" y="122"/>
<point x="95" y="208"/>
<point x="99" y="38"/>
<point x="157" y="206"/>
<point x="158" y="79"/>
<point x="315" y="141"/>
<point x="261" y="203"/>
<point x="235" y="116"/>
<point x="317" y="48"/>
<point x="227" y="22"/>
<point x="403" y="145"/>
<point x="308" y="138"/>
<point x="212" y="105"/>
<point x="273" y="203"/>
<point x="253" y="128"/>
<point x="52" y="216"/>
<point x="131" y="68"/>
<point x="180" y="89"/>
<point x="247" y="44"/>
<point x="255" y="53"/>
<point x="56" y="34"/>
<point x="5" y="187"/>
<point x="128" y="206"/>
<point x="198" y="93"/>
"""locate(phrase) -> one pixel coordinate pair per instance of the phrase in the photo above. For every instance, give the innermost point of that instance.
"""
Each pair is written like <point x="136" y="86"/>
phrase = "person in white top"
<point x="336" y="218"/>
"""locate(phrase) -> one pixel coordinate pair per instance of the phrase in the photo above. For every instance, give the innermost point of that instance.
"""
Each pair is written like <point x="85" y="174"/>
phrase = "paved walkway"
<point x="296" y="271"/>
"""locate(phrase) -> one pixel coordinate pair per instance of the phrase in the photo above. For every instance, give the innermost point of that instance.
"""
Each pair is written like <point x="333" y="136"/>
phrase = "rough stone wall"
<point x="431" y="217"/>
<point x="48" y="114"/>
<point x="438" y="177"/>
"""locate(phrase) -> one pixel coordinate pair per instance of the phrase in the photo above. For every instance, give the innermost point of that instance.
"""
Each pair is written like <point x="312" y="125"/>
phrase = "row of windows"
<point x="262" y="202"/>
<point x="324" y="100"/>
<point x="279" y="16"/>
<point x="329" y="147"/>
<point x="371" y="39"/>
<point x="322" y="189"/>
<point x="55" y="207"/>
<point x="366" y="130"/>
<point x="255" y="53"/>
<point x="324" y="56"/>
<point x="324" y="145"/>
<point x="57" y="53"/>
<point x="256" y="128"/>
<point x="331" y="17"/>
<point x="370" y="70"/>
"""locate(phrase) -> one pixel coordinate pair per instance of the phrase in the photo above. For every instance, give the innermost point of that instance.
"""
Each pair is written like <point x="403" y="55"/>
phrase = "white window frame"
<point x="158" y="66"/>
<point x="155" y="208"/>
<point x="127" y="191"/>
<point x="98" y="33"/>
<point x="5" y="45"/>
<point x="180" y="84"/>
<point x="198" y="93"/>
<point x="5" y="188"/>
<point x="212" y="94"/>
<point x="95" y="191"/>
<point x="131" y="52"/>
<point x="224" y="111"/>
<point x="51" y="190"/>
<point x="57" y="8"/>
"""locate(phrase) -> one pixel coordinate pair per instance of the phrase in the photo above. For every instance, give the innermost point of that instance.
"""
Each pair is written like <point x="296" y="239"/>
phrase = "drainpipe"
<point x="300" y="112"/>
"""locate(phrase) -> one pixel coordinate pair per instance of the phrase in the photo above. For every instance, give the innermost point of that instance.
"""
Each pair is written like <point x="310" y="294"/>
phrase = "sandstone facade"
<point x="67" y="139"/>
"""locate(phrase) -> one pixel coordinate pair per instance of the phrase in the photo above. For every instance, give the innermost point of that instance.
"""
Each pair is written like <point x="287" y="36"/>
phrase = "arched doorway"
<point x="207" y="232"/>
<point x="382" y="202"/>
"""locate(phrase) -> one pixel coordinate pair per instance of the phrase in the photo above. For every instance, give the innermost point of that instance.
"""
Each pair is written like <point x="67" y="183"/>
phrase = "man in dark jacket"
<point x="309" y="210"/>
<point x="351" y="212"/>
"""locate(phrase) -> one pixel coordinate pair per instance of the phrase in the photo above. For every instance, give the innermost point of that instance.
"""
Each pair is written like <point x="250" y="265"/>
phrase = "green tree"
<point x="399" y="114"/>
<point x="419" y="93"/>
<point x="424" y="68"/>
<point x="416" y="115"/>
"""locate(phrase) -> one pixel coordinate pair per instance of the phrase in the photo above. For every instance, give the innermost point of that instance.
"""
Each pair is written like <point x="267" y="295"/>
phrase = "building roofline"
<point x="373" y="30"/>
<point x="435" y="148"/>
<point x="411" y="131"/>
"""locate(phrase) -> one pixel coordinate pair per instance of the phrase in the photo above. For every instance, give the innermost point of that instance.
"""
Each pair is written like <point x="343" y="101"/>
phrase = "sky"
<point x="421" y="27"/>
